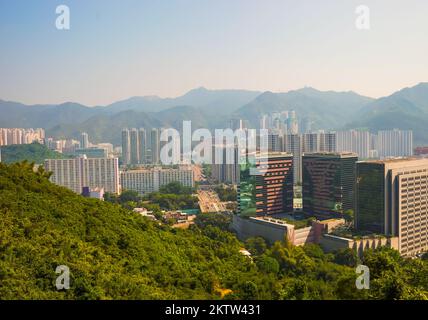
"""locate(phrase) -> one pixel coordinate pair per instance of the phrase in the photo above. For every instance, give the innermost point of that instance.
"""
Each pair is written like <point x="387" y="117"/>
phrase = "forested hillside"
<point x="113" y="253"/>
<point x="34" y="152"/>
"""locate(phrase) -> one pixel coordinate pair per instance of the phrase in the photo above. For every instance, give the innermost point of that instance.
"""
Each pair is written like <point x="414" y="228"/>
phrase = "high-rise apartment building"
<point x="275" y="142"/>
<point x="126" y="147"/>
<point x="10" y="136"/>
<point x="311" y="142"/>
<point x="354" y="141"/>
<point x="293" y="144"/>
<point x="84" y="140"/>
<point x="329" y="183"/>
<point x="266" y="184"/>
<point x="328" y="141"/>
<point x="134" y="146"/>
<point x="225" y="167"/>
<point x="395" y="143"/>
<point x="392" y="199"/>
<point x="155" y="146"/>
<point x="142" y="146"/>
<point x="80" y="172"/>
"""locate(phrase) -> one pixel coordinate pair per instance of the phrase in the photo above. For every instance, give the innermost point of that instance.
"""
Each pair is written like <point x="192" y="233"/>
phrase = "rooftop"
<point x="395" y="160"/>
<point x="331" y="154"/>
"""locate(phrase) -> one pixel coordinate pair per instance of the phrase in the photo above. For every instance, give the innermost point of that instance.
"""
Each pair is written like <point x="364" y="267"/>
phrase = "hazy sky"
<point x="117" y="49"/>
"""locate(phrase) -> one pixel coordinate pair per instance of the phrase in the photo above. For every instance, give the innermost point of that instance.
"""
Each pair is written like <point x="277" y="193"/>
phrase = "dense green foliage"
<point x="34" y="152"/>
<point x="226" y="193"/>
<point x="173" y="196"/>
<point x="113" y="253"/>
<point x="176" y="188"/>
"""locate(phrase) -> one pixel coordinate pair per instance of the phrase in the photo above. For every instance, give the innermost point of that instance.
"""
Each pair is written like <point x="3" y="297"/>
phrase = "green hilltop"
<point x="34" y="152"/>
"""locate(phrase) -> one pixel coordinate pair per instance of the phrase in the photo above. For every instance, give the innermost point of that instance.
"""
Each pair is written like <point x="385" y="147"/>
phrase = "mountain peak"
<point x="199" y="89"/>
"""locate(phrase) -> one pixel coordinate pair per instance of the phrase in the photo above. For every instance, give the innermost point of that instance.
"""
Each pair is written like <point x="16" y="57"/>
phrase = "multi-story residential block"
<point x="395" y="143"/>
<point x="293" y="144"/>
<point x="155" y="146"/>
<point x="126" y="147"/>
<point x="354" y="141"/>
<point x="142" y="146"/>
<point x="151" y="179"/>
<point x="80" y="172"/>
<point x="10" y="136"/>
<point x="225" y="167"/>
<point x="135" y="146"/>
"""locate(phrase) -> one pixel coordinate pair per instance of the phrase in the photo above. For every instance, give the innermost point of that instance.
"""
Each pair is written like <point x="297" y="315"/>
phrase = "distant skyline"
<point x="120" y="49"/>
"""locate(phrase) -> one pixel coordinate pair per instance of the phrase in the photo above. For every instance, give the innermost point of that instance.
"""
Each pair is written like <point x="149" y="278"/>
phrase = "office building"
<point x="392" y="200"/>
<point x="80" y="172"/>
<point x="266" y="184"/>
<point x="328" y="188"/>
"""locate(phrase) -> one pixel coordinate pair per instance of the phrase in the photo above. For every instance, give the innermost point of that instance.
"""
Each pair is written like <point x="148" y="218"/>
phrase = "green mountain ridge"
<point x="328" y="110"/>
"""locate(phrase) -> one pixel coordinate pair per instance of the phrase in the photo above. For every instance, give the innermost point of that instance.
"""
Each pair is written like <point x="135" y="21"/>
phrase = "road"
<point x="210" y="202"/>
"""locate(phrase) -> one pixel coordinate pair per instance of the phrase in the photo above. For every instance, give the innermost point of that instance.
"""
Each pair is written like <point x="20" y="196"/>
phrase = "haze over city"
<point x="115" y="50"/>
<point x="213" y="155"/>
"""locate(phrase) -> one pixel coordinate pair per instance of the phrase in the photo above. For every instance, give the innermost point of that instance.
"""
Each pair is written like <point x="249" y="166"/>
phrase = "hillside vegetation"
<point x="34" y="152"/>
<point x="114" y="253"/>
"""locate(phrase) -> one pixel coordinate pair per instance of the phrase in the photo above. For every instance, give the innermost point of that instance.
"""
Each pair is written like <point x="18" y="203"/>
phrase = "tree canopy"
<point x="113" y="253"/>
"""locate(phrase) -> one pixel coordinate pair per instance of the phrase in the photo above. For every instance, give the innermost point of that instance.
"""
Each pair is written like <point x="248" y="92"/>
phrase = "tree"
<point x="256" y="245"/>
<point x="175" y="188"/>
<point x="346" y="257"/>
<point x="248" y="290"/>
<point x="129" y="195"/>
<point x="267" y="264"/>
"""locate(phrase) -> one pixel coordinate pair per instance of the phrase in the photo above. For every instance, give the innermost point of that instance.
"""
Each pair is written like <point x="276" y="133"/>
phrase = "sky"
<point x="118" y="49"/>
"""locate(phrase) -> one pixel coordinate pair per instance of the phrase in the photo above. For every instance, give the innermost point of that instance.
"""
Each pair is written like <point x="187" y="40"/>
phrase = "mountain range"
<point x="329" y="110"/>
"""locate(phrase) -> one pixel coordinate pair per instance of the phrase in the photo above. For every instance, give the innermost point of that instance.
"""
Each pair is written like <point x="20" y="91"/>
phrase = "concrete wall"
<point x="276" y="230"/>
<point x="247" y="228"/>
<point x="332" y="243"/>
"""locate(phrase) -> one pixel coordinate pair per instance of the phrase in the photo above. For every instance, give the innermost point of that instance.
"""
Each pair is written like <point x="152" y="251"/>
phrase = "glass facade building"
<point x="329" y="180"/>
<point x="370" y="197"/>
<point x="266" y="184"/>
